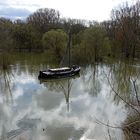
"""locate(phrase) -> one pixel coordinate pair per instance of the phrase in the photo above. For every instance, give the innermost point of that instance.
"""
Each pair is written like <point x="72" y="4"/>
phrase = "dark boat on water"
<point x="59" y="72"/>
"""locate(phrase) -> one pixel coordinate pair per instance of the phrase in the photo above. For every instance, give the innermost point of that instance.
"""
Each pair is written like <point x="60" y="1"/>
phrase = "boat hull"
<point x="46" y="74"/>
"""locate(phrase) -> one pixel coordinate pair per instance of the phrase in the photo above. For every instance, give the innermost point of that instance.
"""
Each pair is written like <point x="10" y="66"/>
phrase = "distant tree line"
<point x="46" y="31"/>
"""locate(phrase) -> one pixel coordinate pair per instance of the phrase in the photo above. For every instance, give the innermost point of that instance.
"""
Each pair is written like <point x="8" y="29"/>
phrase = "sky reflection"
<point x="41" y="111"/>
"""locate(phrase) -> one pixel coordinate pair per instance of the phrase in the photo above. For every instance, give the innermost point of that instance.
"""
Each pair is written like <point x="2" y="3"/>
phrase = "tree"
<point x="95" y="43"/>
<point x="25" y="37"/>
<point x="44" y="19"/>
<point x="76" y="25"/>
<point x="56" y="41"/>
<point x="6" y="26"/>
<point x="126" y="17"/>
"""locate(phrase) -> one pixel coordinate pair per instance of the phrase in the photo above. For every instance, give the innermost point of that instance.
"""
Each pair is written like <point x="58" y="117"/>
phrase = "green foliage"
<point x="92" y="43"/>
<point x="25" y="37"/>
<point x="6" y="26"/>
<point x="55" y="41"/>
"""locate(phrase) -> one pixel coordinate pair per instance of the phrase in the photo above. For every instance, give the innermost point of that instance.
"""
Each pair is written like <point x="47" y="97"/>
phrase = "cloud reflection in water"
<point x="41" y="110"/>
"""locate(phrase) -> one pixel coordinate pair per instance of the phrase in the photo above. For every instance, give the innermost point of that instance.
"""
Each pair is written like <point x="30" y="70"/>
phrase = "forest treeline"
<point x="46" y="31"/>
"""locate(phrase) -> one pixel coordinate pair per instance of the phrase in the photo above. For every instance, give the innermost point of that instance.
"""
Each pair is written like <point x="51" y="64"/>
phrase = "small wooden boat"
<point x="59" y="72"/>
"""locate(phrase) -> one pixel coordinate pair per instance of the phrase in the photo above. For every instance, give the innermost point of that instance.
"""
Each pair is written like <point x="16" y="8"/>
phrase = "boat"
<point x="59" y="72"/>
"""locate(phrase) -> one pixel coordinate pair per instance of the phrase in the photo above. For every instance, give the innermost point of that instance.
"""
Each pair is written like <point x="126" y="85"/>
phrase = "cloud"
<point x="18" y="5"/>
<point x="13" y="13"/>
<point x="86" y="9"/>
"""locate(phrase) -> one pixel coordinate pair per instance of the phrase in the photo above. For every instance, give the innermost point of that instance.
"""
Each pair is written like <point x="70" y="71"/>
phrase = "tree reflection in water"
<point x="6" y="76"/>
<point x="63" y="85"/>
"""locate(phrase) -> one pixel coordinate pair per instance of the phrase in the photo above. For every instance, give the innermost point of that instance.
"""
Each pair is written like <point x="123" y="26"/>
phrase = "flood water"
<point x="77" y="108"/>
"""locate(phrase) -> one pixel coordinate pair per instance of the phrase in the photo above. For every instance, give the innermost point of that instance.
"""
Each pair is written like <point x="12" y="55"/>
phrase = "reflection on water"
<point x="66" y="109"/>
<point x="5" y="77"/>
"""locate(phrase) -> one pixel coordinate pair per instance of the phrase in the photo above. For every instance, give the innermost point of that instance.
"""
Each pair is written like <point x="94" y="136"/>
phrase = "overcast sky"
<point x="82" y="9"/>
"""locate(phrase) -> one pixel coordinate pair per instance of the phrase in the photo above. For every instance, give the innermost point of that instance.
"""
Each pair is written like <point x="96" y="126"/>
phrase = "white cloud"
<point x="81" y="9"/>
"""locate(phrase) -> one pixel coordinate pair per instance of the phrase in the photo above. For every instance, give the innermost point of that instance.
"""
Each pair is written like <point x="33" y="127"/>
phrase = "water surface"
<point x="77" y="108"/>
